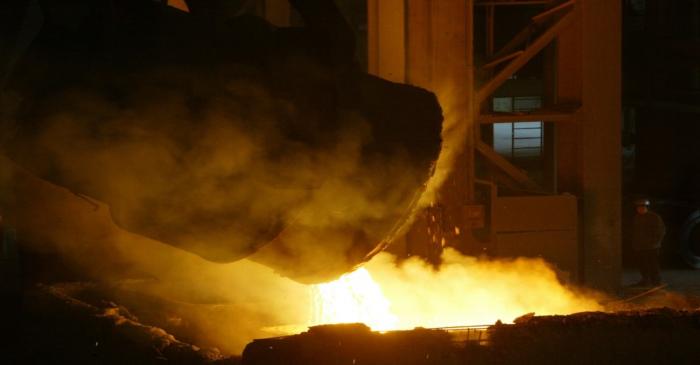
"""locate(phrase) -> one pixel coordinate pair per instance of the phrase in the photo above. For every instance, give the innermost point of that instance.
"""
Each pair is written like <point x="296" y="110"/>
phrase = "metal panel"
<point x="559" y="248"/>
<point x="539" y="226"/>
<point x="535" y="213"/>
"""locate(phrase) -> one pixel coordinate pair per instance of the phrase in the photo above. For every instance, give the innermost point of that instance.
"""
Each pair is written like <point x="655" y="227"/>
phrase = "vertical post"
<point x="568" y="90"/>
<point x="588" y="151"/>
<point x="454" y="83"/>
<point x="429" y="43"/>
<point x="548" y="146"/>
<point x="441" y="59"/>
<point x="419" y="42"/>
<point x="450" y="57"/>
<point x="485" y="132"/>
<point x="602" y="138"/>
<point x="490" y="19"/>
<point x="386" y="21"/>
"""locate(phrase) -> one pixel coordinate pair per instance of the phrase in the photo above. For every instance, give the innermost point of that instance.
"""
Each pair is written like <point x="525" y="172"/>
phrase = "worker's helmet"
<point x="643" y="202"/>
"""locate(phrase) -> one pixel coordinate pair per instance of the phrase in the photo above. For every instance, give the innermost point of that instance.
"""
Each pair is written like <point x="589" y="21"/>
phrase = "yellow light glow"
<point x="353" y="298"/>
<point x="465" y="291"/>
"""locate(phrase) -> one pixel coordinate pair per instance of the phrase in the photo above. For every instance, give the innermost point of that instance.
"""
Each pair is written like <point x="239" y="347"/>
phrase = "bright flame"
<point x="354" y="298"/>
<point x="465" y="291"/>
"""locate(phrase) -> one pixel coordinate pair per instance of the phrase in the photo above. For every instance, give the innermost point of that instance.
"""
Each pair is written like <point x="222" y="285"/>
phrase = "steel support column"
<point x="430" y="44"/>
<point x="588" y="151"/>
<point x="602" y="142"/>
<point x="387" y="39"/>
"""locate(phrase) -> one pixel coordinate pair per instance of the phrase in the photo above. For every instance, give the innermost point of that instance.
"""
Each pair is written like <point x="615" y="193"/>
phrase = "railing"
<point x="464" y="335"/>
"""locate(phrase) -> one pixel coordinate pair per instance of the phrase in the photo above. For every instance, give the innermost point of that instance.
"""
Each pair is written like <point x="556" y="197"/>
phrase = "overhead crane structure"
<point x="432" y="44"/>
<point x="570" y="214"/>
<point x="568" y="211"/>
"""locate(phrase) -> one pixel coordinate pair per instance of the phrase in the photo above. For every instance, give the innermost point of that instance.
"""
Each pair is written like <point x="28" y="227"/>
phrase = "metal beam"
<point x="515" y="42"/>
<point x="537" y="116"/>
<point x="502" y="59"/>
<point x="556" y="113"/>
<point x="524" y="35"/>
<point x="548" y="13"/>
<point x="520" y="61"/>
<point x="512" y="2"/>
<point x="504" y="165"/>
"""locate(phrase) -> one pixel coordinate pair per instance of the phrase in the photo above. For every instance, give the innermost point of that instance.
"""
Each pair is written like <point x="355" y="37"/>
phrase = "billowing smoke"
<point x="160" y="178"/>
<point x="470" y="291"/>
<point x="163" y="177"/>
<point x="228" y="305"/>
<point x="225" y="169"/>
<point x="210" y="304"/>
<point x="455" y="135"/>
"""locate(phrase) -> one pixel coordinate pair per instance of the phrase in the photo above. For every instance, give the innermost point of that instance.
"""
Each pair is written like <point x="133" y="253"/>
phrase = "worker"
<point x="648" y="231"/>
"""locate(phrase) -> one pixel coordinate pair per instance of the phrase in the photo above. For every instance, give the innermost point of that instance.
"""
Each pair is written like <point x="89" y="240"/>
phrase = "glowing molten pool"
<point x="355" y="297"/>
<point x="464" y="291"/>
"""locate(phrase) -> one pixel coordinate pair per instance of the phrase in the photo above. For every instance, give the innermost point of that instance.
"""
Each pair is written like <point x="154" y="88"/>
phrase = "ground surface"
<point x="75" y="323"/>
<point x="70" y="323"/>
<point x="683" y="281"/>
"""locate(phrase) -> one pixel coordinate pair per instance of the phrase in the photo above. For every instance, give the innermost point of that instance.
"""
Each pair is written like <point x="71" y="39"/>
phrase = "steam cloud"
<point x="227" y="305"/>
<point x="218" y="166"/>
<point x="223" y="170"/>
<point x="214" y="167"/>
<point x="470" y="291"/>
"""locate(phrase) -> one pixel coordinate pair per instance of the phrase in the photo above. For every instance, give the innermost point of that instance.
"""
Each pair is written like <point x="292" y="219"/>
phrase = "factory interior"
<point x="365" y="182"/>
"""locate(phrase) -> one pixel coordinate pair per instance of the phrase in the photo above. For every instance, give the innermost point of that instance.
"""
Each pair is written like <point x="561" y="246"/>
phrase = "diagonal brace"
<point x="540" y="43"/>
<point x="504" y="165"/>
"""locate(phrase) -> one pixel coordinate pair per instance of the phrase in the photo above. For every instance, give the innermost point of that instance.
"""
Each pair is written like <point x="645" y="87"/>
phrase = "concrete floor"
<point x="678" y="280"/>
<point x="682" y="292"/>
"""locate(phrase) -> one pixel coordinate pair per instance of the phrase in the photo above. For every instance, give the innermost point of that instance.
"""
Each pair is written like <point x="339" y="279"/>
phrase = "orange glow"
<point x="465" y="291"/>
<point x="354" y="297"/>
<point x="179" y="4"/>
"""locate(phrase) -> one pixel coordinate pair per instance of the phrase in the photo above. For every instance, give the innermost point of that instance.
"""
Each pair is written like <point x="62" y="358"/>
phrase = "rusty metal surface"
<point x="535" y="213"/>
<point x="539" y="226"/>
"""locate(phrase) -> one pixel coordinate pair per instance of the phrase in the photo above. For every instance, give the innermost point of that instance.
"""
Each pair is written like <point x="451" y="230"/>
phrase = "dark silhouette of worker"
<point x="648" y="231"/>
